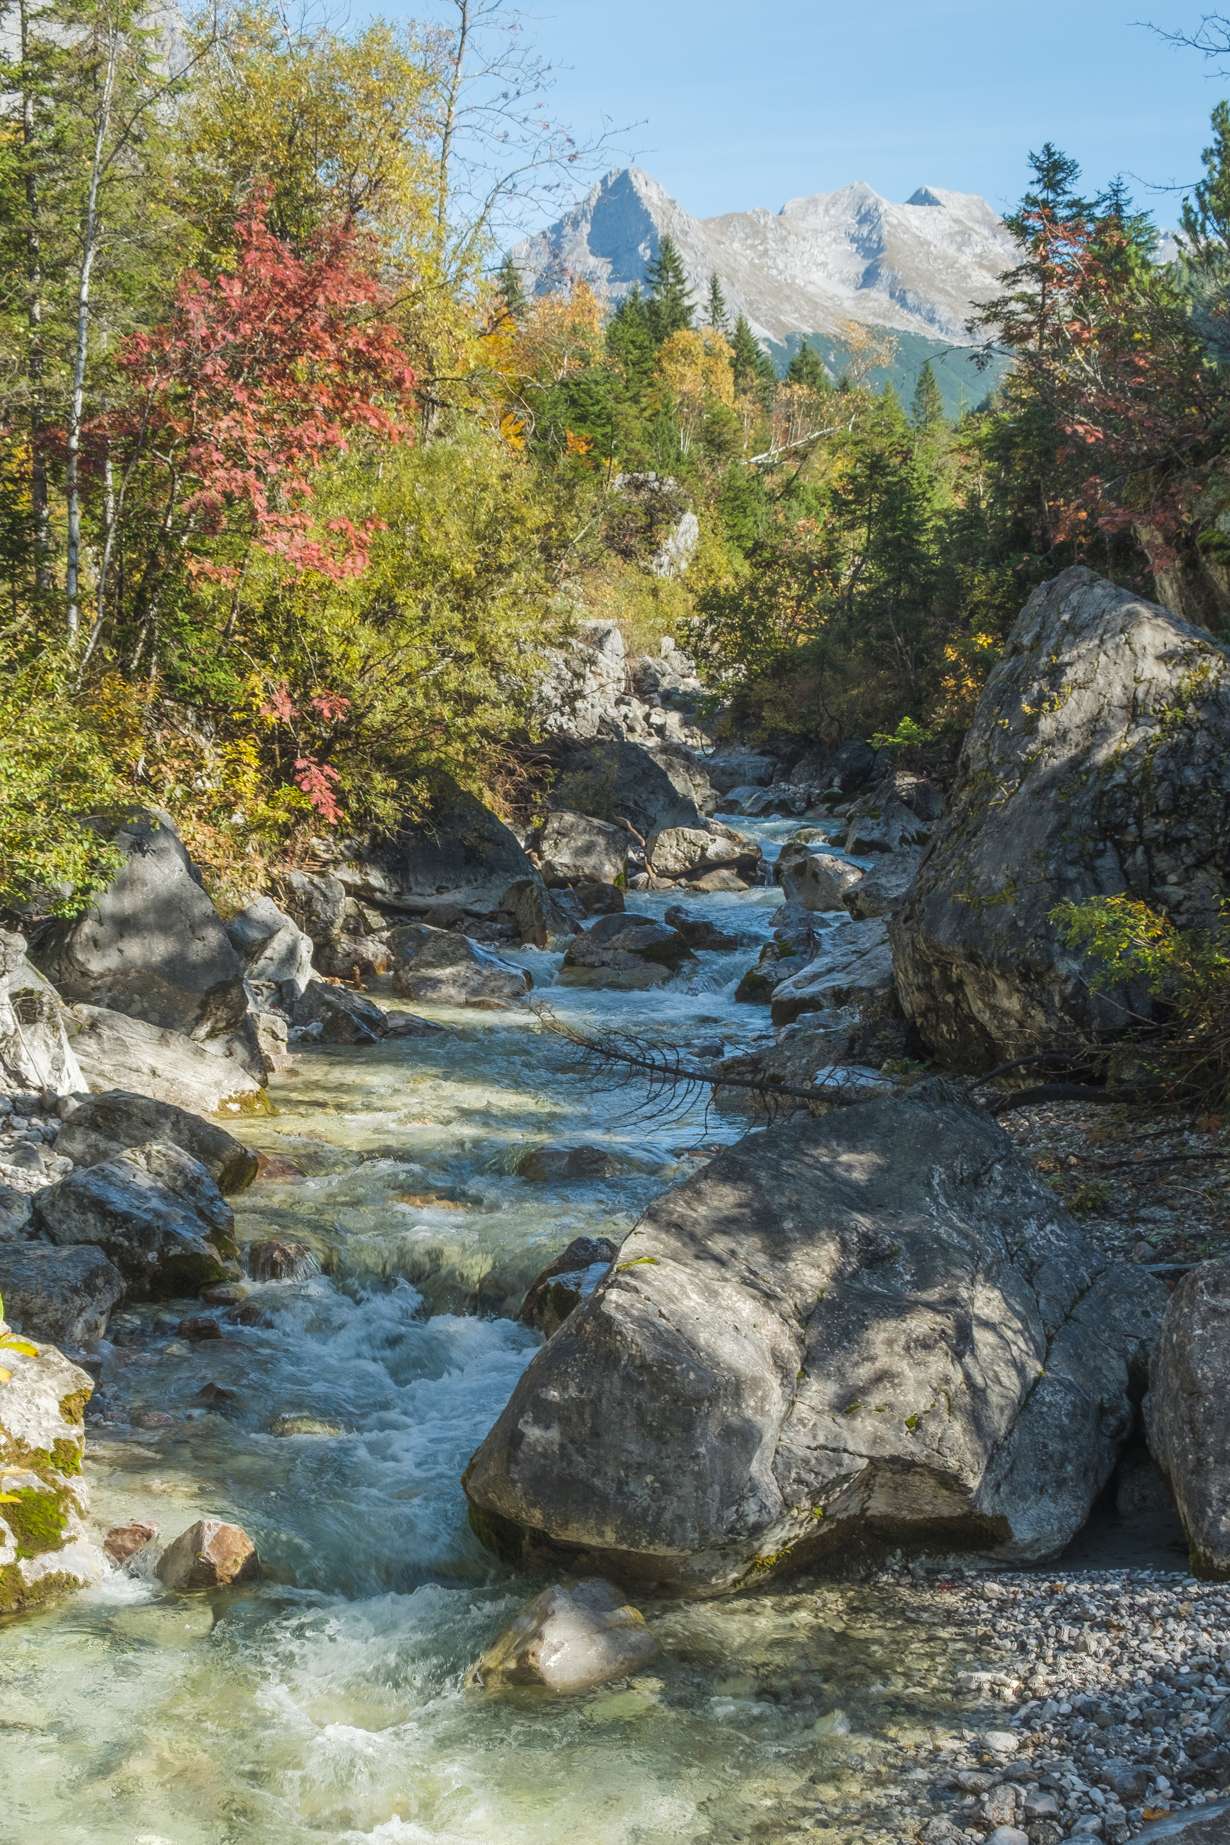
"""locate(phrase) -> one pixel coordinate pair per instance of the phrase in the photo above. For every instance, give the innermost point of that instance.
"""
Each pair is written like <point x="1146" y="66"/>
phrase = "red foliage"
<point x="259" y="377"/>
<point x="319" y="782"/>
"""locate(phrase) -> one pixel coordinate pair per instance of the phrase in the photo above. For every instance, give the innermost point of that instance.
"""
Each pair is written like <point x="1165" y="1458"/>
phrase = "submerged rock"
<point x="561" y="1161"/>
<point x="125" y="1542"/>
<point x="875" y="1328"/>
<point x="103" y="1125"/>
<point x="1187" y="1412"/>
<point x="154" y="1211"/>
<point x="271" y="1259"/>
<point x="444" y="969"/>
<point x="209" y="1555"/>
<point x="1097" y="765"/>
<point x="568" y="1640"/>
<point x="44" y="1550"/>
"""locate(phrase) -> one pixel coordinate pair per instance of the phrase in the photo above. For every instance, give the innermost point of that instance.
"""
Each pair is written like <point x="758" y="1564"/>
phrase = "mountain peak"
<point x="821" y="261"/>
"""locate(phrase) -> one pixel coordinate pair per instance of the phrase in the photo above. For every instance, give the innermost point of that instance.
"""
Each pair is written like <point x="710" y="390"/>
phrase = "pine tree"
<point x="808" y="369"/>
<point x="927" y="410"/>
<point x="716" y="314"/>
<point x="671" y="307"/>
<point x="748" y="356"/>
<point x="630" y="343"/>
<point x="510" y="290"/>
<point x="1206" y="240"/>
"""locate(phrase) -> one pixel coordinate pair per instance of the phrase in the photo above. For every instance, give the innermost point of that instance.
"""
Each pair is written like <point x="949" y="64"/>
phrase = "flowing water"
<point x="327" y="1704"/>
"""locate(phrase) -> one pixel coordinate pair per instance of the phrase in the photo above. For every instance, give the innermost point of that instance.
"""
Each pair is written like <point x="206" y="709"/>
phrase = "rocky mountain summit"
<point x="818" y="263"/>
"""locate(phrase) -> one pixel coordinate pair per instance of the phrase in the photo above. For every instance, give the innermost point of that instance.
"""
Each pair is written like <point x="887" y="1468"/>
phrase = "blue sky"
<point x="743" y="104"/>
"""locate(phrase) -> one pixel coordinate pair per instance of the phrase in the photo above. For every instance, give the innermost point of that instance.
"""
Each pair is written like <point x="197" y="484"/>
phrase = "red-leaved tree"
<point x="257" y="378"/>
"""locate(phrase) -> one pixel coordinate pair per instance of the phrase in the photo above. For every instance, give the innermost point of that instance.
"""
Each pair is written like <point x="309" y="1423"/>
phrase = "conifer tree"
<point x="716" y="313"/>
<point x="671" y="307"/>
<point x="630" y="343"/>
<point x="808" y="369"/>
<point x="510" y="290"/>
<point x="749" y="358"/>
<point x="927" y="410"/>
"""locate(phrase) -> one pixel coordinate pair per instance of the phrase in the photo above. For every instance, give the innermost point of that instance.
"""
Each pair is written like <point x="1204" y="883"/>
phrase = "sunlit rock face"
<point x="874" y="1328"/>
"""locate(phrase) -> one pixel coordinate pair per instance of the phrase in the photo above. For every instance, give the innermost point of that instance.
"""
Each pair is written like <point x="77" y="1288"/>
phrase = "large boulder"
<point x="1097" y="765"/>
<point x="535" y="914"/>
<point x="691" y="852"/>
<point x="35" y="1053"/>
<point x="154" y="1211"/>
<point x="818" y="880"/>
<point x="103" y="1125"/>
<point x="882" y="890"/>
<point x="116" y="1051"/>
<point x="44" y="1550"/>
<point x="209" y="1555"/>
<point x="61" y="1295"/>
<point x="1187" y="1412"/>
<point x="568" y="1640"/>
<point x="316" y="902"/>
<point x="618" y="781"/>
<point x="625" y="951"/>
<point x="460" y="858"/>
<point x="854" y="967"/>
<point x="444" y="969"/>
<point x="875" y="1328"/>
<point x="574" y="849"/>
<point x="329" y="1014"/>
<point x="566" y="1282"/>
<point x="150" y="945"/>
<point x="795" y="943"/>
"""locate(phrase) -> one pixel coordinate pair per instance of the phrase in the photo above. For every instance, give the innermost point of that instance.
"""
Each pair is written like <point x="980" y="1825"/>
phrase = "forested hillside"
<point x="296" y="486"/>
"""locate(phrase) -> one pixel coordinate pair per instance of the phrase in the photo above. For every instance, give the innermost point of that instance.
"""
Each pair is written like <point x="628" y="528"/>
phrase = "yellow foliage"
<point x="696" y="365"/>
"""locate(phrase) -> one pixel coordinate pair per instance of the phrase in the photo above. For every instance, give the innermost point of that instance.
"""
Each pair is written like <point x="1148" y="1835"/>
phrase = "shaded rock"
<point x="150" y="945"/>
<point x="566" y="1282"/>
<point x="461" y="858"/>
<point x="877" y="1327"/>
<point x="721" y="879"/>
<point x="445" y="969"/>
<point x="274" y="950"/>
<point x="550" y="1162"/>
<point x="574" y="847"/>
<point x="854" y="966"/>
<point x="44" y="1548"/>
<point x="208" y="1555"/>
<point x="882" y="822"/>
<point x="692" y="852"/>
<point x="154" y="1210"/>
<point x="103" y="1125"/>
<point x="316" y="901"/>
<point x="882" y="890"/>
<point x="568" y="1640"/>
<point x="537" y="916"/>
<point x="597" y="899"/>
<point x="1097" y="764"/>
<point x="118" y="1052"/>
<point x="740" y="768"/>
<point x="698" y="933"/>
<point x="338" y="1015"/>
<point x="1187" y="1412"/>
<point x="813" y="1047"/>
<point x="198" y="1327"/>
<point x="817" y="880"/>
<point x="270" y="1035"/>
<point x="797" y="938"/>
<point x="617" y="781"/>
<point x="626" y="951"/>
<point x="355" y="957"/>
<point x="35" y="1053"/>
<point x="63" y="1296"/>
<point x="271" y="1259"/>
<point x="124" y="1542"/>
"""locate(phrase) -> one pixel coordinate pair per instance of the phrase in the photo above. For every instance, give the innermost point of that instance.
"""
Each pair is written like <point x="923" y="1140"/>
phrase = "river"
<point x="327" y="1703"/>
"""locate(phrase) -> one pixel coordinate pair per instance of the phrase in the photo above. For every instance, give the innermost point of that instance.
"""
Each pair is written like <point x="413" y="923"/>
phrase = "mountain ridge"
<point x="821" y="261"/>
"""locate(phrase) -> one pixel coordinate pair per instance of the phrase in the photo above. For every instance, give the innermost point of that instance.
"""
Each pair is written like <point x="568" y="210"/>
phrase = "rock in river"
<point x="209" y="1555"/>
<point x="879" y="1327"/>
<point x="441" y="968"/>
<point x="102" y="1125"/>
<point x="568" y="1640"/>
<point x="61" y="1295"/>
<point x="627" y="951"/>
<point x="154" y="1211"/>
